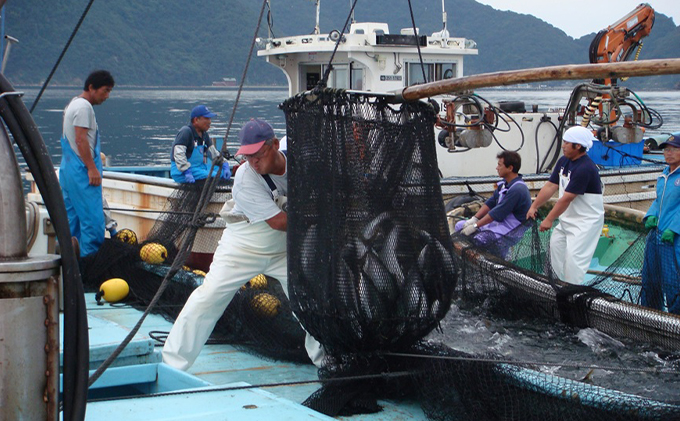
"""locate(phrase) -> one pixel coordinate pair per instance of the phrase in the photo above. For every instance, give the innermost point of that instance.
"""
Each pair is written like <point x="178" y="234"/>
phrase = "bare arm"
<point x="557" y="210"/>
<point x="86" y="156"/>
<point x="546" y="193"/>
<point x="279" y="221"/>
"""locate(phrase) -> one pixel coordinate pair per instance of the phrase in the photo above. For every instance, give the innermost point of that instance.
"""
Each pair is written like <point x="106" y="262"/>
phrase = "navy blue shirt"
<point x="582" y="173"/>
<point x="517" y="201"/>
<point x="186" y="137"/>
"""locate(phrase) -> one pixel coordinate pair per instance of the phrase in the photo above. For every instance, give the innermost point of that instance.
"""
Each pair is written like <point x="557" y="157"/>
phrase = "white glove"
<point x="469" y="230"/>
<point x="470" y="221"/>
<point x="282" y="203"/>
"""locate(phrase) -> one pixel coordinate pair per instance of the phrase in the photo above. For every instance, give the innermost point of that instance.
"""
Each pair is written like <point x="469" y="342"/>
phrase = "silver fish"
<point x="371" y="229"/>
<point x="388" y="256"/>
<point x="381" y="278"/>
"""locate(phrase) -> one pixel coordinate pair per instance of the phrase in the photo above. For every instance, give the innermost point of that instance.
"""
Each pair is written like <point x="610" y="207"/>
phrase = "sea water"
<point x="138" y="127"/>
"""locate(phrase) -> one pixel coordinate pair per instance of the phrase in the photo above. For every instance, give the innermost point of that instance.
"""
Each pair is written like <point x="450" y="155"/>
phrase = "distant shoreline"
<point x="138" y="87"/>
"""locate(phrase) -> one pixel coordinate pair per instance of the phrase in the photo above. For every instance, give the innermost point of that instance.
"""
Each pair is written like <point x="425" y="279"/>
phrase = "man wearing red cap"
<point x="253" y="242"/>
<point x="580" y="207"/>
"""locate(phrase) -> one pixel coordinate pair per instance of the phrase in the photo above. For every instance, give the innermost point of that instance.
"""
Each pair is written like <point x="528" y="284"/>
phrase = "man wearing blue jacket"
<point x="189" y="159"/>
<point x="662" y="252"/>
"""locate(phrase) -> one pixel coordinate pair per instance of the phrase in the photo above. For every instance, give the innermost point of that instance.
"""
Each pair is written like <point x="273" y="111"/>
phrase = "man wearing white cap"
<point x="580" y="207"/>
<point x="253" y="242"/>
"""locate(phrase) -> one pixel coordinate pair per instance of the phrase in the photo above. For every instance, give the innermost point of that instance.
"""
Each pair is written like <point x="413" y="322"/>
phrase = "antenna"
<point x="350" y="8"/>
<point x="444" y="32"/>
<point x="318" y="8"/>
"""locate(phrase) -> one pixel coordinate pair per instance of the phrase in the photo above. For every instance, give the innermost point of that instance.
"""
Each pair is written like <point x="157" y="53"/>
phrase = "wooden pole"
<point x="540" y="74"/>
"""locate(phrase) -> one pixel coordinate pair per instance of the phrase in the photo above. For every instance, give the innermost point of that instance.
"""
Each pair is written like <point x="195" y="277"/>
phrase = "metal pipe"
<point x="12" y="208"/>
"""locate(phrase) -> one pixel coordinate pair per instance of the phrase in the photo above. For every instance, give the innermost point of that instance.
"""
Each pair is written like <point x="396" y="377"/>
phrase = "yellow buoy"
<point x="113" y="290"/>
<point x="153" y="253"/>
<point x="258" y="282"/>
<point x="199" y="272"/>
<point x="265" y="305"/>
<point x="126" y="235"/>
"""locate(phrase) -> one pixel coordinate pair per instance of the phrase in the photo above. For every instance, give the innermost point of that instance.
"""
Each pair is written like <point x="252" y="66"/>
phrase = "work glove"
<point x="226" y="171"/>
<point x="189" y="176"/>
<point x="469" y="230"/>
<point x="470" y="221"/>
<point x="668" y="236"/>
<point x="282" y="203"/>
<point x="651" y="222"/>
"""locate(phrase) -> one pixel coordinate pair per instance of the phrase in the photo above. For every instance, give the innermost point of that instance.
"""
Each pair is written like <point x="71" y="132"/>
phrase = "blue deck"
<point x="220" y="366"/>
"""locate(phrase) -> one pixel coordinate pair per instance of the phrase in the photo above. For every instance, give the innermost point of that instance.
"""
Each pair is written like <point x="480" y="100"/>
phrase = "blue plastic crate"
<point x="615" y="154"/>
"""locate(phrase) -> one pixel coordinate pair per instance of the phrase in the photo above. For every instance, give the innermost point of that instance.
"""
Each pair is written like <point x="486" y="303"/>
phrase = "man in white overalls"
<point x="253" y="242"/>
<point x="580" y="207"/>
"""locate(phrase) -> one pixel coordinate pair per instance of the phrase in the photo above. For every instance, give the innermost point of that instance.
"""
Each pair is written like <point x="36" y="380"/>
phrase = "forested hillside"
<point x="182" y="43"/>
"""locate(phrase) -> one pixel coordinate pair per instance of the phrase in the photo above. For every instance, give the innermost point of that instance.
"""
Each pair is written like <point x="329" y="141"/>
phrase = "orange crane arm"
<point x="618" y="41"/>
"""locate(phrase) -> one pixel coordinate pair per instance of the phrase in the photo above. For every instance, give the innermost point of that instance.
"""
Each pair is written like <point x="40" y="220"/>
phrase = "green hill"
<point x="180" y="43"/>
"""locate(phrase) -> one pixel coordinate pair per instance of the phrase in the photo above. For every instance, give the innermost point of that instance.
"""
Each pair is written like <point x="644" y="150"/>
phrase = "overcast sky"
<point x="581" y="17"/>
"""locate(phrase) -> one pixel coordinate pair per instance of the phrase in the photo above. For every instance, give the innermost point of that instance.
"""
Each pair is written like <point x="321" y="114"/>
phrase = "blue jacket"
<point x="666" y="206"/>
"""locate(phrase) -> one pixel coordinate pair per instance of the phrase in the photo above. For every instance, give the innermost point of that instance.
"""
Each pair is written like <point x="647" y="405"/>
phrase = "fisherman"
<point x="80" y="172"/>
<point x="662" y="252"/>
<point x="506" y="209"/>
<point x="188" y="161"/>
<point x="580" y="207"/>
<point x="253" y="242"/>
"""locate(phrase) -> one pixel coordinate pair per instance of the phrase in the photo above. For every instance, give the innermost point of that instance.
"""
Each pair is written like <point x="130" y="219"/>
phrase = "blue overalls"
<point x="83" y="201"/>
<point x="200" y="166"/>
<point x="660" y="278"/>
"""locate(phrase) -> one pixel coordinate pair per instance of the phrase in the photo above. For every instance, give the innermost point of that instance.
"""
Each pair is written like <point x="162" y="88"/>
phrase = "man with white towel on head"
<point x="580" y="207"/>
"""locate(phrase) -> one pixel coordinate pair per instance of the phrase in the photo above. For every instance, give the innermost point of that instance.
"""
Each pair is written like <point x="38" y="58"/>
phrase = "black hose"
<point x="76" y="349"/>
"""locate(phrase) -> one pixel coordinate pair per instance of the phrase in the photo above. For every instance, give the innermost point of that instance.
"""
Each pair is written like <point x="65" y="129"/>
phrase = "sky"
<point x="581" y="17"/>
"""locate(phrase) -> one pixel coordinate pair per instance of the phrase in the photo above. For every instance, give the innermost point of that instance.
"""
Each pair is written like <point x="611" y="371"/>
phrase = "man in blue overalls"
<point x="660" y="278"/>
<point x="189" y="161"/>
<point x="80" y="172"/>
<point x="505" y="210"/>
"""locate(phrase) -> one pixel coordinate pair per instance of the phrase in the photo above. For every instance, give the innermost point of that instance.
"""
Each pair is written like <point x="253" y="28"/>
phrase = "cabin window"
<point x="343" y="76"/>
<point x="433" y="72"/>
<point x="357" y="81"/>
<point x="310" y="75"/>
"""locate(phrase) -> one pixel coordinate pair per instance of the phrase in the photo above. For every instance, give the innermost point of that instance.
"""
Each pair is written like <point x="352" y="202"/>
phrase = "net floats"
<point x="113" y="290"/>
<point x="126" y="235"/>
<point x="265" y="305"/>
<point x="153" y="253"/>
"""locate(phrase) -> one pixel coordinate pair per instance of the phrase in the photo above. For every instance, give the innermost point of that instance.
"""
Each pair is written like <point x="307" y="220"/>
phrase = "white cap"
<point x="580" y="135"/>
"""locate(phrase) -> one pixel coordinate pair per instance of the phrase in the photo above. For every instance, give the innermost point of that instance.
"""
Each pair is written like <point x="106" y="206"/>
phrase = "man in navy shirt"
<point x="580" y="207"/>
<point x="505" y="210"/>
<point x="189" y="159"/>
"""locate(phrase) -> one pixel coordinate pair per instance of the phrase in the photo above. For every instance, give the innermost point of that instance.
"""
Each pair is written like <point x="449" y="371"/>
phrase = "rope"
<point x="63" y="52"/>
<point x="225" y="152"/>
<point x="183" y="252"/>
<point x="534" y="363"/>
<point x="267" y="385"/>
<point x="415" y="31"/>
<point x="324" y="80"/>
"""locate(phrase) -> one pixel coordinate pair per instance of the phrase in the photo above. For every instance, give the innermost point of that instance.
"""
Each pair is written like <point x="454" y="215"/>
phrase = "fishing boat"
<point x="224" y="381"/>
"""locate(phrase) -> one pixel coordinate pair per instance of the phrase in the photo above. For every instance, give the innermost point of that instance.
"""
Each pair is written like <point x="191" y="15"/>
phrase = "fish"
<point x="309" y="250"/>
<point x="389" y="257"/>
<point x="372" y="228"/>
<point x="381" y="278"/>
